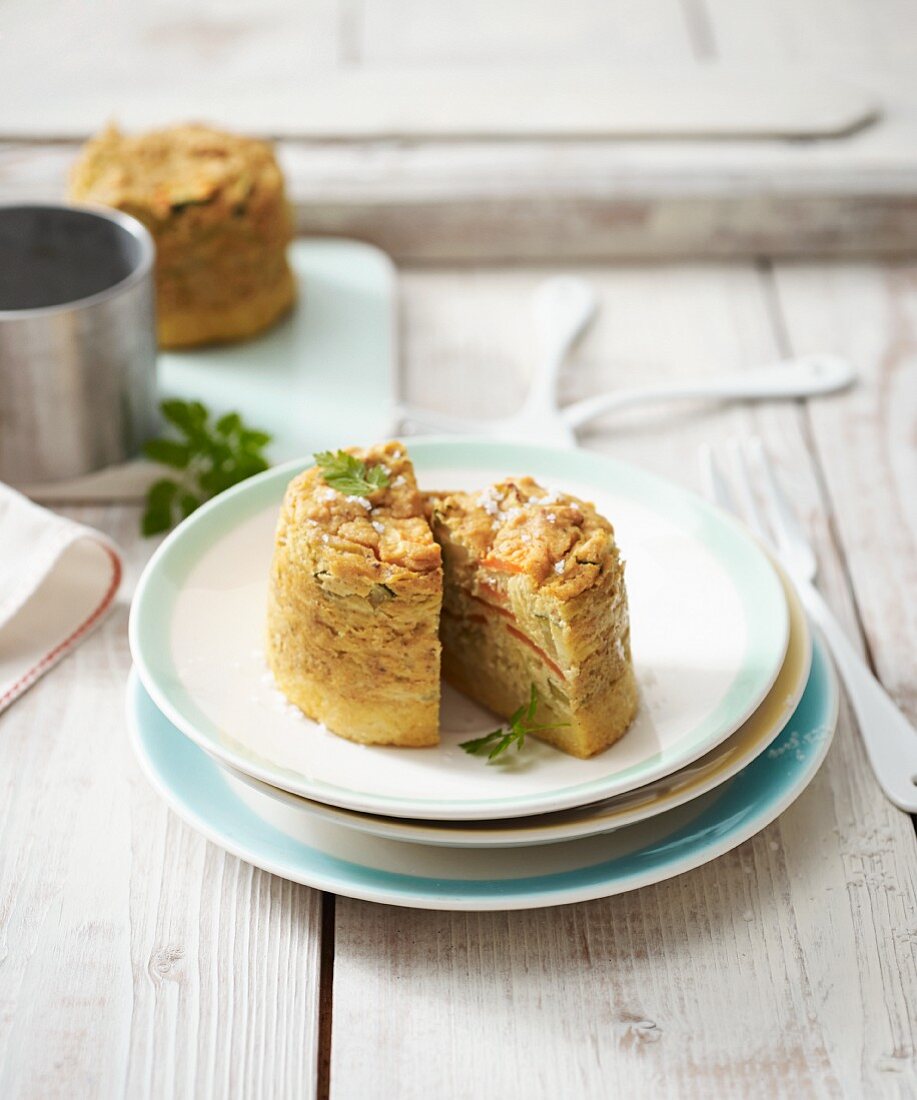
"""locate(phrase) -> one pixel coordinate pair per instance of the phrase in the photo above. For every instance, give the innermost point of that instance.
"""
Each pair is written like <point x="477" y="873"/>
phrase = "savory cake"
<point x="534" y="594"/>
<point x="353" y="609"/>
<point x="215" y="206"/>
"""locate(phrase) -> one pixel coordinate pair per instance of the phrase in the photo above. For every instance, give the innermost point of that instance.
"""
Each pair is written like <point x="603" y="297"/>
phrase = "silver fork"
<point x="890" y="740"/>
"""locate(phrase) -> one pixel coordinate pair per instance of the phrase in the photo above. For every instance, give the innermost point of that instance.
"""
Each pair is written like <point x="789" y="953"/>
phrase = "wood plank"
<point x="784" y="968"/>
<point x="866" y="443"/>
<point x="471" y="202"/>
<point x="136" y="958"/>
<point x="409" y="103"/>
<point x="405" y="69"/>
<point x="106" y="54"/>
<point x="836" y="33"/>
<point x="435" y="201"/>
<point x="529" y="32"/>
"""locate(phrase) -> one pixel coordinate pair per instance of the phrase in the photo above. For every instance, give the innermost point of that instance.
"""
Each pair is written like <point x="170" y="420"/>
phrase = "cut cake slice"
<point x="534" y="594"/>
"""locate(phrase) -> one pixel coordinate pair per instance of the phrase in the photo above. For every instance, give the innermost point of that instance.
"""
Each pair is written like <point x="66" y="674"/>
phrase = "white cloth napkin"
<point x="58" y="579"/>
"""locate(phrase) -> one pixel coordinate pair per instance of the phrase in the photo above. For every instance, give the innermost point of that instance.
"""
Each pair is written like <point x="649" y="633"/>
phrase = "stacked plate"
<point x="738" y="707"/>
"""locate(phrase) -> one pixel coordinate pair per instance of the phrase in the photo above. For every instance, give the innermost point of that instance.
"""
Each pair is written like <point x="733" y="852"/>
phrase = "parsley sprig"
<point x="349" y="475"/>
<point x="211" y="457"/>
<point x="521" y="722"/>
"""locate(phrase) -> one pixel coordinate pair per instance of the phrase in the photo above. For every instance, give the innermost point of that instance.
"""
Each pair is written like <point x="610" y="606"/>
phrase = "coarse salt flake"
<point x="490" y="504"/>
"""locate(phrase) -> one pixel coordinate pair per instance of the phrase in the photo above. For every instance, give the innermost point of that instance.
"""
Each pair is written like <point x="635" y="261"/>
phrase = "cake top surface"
<point x="163" y="170"/>
<point x="518" y="528"/>
<point x="376" y="537"/>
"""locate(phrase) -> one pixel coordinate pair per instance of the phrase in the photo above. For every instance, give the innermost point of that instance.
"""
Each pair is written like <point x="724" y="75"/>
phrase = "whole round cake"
<point x="215" y="205"/>
<point x="517" y="592"/>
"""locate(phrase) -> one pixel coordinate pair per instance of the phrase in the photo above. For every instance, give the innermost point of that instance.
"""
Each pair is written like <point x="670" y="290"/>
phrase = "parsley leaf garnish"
<point x="349" y="475"/>
<point x="521" y="722"/>
<point x="211" y="457"/>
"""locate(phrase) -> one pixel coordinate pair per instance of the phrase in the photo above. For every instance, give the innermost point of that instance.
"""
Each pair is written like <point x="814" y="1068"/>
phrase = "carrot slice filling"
<point x="514" y="630"/>
<point x="493" y="607"/>
<point x="536" y="649"/>
<point x="501" y="565"/>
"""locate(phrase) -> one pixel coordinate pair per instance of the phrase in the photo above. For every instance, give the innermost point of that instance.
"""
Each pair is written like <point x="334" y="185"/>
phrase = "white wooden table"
<point x="138" y="960"/>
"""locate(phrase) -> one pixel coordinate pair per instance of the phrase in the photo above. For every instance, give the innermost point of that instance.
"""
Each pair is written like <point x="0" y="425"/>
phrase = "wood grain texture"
<point x="867" y="442"/>
<point x="139" y="960"/>
<point x="783" y="969"/>
<point x="402" y="68"/>
<point x="533" y="32"/>
<point x="135" y="958"/>
<point x="472" y="202"/>
<point x="840" y="33"/>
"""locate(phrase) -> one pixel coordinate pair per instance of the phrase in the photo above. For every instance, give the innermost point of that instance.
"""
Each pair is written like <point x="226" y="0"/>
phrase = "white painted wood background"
<point x="139" y="960"/>
<point x="66" y="68"/>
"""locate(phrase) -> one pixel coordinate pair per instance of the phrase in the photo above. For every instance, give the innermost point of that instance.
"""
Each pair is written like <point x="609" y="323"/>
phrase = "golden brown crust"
<point x="215" y="205"/>
<point x="380" y="538"/>
<point x="518" y="528"/>
<point x="355" y="596"/>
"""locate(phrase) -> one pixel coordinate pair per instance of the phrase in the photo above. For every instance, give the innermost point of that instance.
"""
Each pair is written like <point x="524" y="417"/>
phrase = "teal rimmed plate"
<point x="709" y="633"/>
<point x="351" y="863"/>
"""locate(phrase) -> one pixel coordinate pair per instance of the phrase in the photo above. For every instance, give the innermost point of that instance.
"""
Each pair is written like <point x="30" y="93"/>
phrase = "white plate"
<point x="709" y="633"/>
<point x="423" y="876"/>
<point x="690" y="782"/>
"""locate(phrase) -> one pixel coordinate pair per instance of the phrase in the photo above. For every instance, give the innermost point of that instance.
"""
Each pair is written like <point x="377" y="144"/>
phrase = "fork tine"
<point x="714" y="483"/>
<point x="718" y="489"/>
<point x="789" y="533"/>
<point x="754" y="516"/>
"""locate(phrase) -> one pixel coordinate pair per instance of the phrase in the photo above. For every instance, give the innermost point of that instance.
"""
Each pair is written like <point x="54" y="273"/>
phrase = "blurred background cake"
<point x="216" y="207"/>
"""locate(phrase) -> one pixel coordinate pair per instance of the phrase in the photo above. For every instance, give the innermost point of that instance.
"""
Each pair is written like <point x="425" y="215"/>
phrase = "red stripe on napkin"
<point x="60" y="650"/>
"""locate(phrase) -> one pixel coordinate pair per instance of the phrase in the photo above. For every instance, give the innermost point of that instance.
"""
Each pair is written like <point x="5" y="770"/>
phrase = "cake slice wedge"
<point x="354" y="602"/>
<point x="534" y="595"/>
